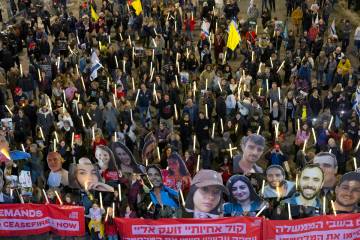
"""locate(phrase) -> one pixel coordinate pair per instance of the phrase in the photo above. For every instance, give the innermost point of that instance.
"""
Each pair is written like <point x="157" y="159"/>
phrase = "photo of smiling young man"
<point x="348" y="193"/>
<point x="252" y="147"/>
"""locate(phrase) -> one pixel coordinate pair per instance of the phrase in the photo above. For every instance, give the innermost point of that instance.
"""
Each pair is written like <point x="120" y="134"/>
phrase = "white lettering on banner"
<point x="339" y="234"/>
<point x="189" y="229"/>
<point x="342" y="223"/>
<point x="20" y="213"/>
<point x="24" y="224"/>
<point x="191" y="238"/>
<point x="299" y="228"/>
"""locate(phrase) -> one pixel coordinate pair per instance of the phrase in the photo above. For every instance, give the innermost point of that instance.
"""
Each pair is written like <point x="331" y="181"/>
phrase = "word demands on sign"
<point x="32" y="219"/>
<point x="226" y="228"/>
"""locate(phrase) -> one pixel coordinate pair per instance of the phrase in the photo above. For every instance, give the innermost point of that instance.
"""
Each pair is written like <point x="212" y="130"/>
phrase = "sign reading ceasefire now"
<point x="32" y="219"/>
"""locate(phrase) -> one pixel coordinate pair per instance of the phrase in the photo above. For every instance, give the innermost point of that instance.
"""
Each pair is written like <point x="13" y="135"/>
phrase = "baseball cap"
<point x="207" y="177"/>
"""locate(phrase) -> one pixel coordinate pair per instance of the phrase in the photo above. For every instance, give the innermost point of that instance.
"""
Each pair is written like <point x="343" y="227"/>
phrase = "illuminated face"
<point x="206" y="199"/>
<point x="54" y="162"/>
<point x="155" y="177"/>
<point x="252" y="152"/>
<point x="240" y="191"/>
<point x="123" y="156"/>
<point x="311" y="181"/>
<point x="326" y="163"/>
<point x="103" y="158"/>
<point x="275" y="177"/>
<point x="348" y="193"/>
<point x="86" y="175"/>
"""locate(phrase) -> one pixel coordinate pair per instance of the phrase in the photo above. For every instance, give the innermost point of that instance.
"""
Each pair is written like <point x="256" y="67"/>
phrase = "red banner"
<point x="187" y="228"/>
<point x="341" y="227"/>
<point x="32" y="219"/>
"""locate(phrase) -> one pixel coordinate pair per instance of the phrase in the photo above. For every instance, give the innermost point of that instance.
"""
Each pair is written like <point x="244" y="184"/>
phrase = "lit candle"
<point x="101" y="201"/>
<point x="289" y="211"/>
<point x="331" y="121"/>
<point x="175" y="111"/>
<point x="21" y="70"/>
<point x="213" y="131"/>
<point x="46" y="198"/>
<point x="8" y="109"/>
<point x="58" y="197"/>
<point x="198" y="164"/>
<point x="137" y="96"/>
<point x="258" y="131"/>
<point x="314" y="135"/>
<point x="116" y="62"/>
<point x="182" y="198"/>
<point x="119" y="191"/>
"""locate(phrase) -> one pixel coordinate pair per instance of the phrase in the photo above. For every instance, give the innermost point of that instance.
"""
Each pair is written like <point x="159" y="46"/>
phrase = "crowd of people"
<point x="145" y="111"/>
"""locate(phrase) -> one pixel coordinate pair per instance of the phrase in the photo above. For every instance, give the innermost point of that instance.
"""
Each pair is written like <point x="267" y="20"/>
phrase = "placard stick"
<point x="258" y="131"/>
<point x="206" y="111"/>
<point x="357" y="146"/>
<point x="21" y="70"/>
<point x="261" y="210"/>
<point x="298" y="123"/>
<point x="324" y="205"/>
<point x="182" y="198"/>
<point x="194" y="143"/>
<point x="333" y="207"/>
<point x="222" y="125"/>
<point x="289" y="211"/>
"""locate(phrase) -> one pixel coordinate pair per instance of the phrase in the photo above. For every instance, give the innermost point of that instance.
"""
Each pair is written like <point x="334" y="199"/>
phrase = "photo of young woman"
<point x="125" y="160"/>
<point x="106" y="162"/>
<point x="204" y="199"/>
<point x="85" y="175"/>
<point x="243" y="199"/>
<point x="178" y="176"/>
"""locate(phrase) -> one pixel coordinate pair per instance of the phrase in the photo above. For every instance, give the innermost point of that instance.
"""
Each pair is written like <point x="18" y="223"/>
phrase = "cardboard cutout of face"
<point x="85" y="175"/>
<point x="328" y="164"/>
<point x="57" y="176"/>
<point x="348" y="192"/>
<point x="252" y="147"/>
<point x="204" y="199"/>
<point x="177" y="176"/>
<point x="149" y="148"/>
<point x="155" y="176"/>
<point x="104" y="157"/>
<point x="311" y="181"/>
<point x="125" y="160"/>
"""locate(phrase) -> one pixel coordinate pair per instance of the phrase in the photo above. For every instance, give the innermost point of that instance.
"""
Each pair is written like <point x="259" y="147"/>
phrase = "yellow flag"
<point x="136" y="4"/>
<point x="233" y="38"/>
<point x="93" y="14"/>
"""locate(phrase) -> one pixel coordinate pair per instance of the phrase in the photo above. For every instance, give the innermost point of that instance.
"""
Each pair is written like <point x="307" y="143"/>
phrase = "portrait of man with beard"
<point x="277" y="186"/>
<point x="348" y="193"/>
<point x="305" y="203"/>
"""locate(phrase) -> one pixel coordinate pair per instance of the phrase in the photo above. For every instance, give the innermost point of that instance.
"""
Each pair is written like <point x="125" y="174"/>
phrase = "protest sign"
<point x="224" y="228"/>
<point x="31" y="219"/>
<point x="344" y="227"/>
